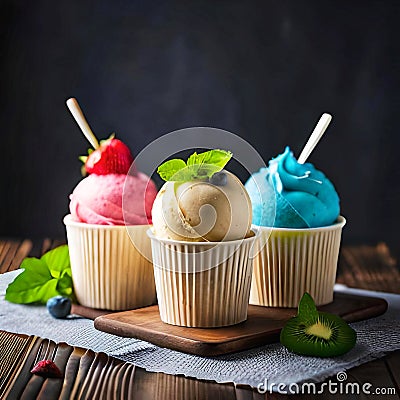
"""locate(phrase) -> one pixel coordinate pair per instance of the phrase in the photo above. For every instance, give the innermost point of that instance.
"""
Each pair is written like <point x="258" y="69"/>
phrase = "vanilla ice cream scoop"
<point x="215" y="209"/>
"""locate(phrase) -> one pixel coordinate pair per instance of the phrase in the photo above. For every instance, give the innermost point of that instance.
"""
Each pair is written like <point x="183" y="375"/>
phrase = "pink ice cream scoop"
<point x="113" y="199"/>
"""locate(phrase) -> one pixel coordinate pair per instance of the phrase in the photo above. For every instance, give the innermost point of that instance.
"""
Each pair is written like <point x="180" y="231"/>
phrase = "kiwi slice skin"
<point x="322" y="335"/>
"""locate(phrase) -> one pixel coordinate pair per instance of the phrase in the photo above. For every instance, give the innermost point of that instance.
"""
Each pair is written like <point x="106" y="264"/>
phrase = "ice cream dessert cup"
<point x="296" y="212"/>
<point x="110" y="212"/>
<point x="202" y="284"/>
<point x="202" y="243"/>
<point x="109" y="271"/>
<point x="290" y="262"/>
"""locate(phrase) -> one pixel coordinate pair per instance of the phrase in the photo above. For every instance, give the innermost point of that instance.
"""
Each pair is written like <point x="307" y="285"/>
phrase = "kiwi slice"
<point x="315" y="333"/>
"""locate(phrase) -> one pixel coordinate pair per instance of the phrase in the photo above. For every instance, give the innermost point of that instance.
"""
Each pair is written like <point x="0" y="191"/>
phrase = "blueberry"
<point x="219" y="179"/>
<point x="59" y="306"/>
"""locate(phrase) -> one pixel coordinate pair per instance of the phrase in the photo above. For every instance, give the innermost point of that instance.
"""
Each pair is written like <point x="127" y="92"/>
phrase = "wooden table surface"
<point x="365" y="267"/>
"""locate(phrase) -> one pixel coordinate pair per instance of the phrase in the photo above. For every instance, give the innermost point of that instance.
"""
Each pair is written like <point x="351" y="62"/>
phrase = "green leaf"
<point x="217" y="158"/>
<point x="307" y="310"/>
<point x="169" y="169"/>
<point x="198" y="166"/>
<point x="84" y="158"/>
<point x="31" y="287"/>
<point x="36" y="266"/>
<point x="64" y="284"/>
<point x="112" y="136"/>
<point x="57" y="261"/>
<point x="42" y="278"/>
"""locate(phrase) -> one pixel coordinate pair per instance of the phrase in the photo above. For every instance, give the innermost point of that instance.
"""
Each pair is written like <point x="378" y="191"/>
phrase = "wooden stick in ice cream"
<point x="77" y="113"/>
<point x="315" y="137"/>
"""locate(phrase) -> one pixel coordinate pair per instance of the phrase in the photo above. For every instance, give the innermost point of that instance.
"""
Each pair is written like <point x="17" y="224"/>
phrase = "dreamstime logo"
<point x="176" y="202"/>
<point x="331" y="387"/>
<point x="341" y="376"/>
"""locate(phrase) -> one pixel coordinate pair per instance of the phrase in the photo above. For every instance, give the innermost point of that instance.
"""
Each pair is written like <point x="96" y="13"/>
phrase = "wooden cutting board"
<point x="263" y="326"/>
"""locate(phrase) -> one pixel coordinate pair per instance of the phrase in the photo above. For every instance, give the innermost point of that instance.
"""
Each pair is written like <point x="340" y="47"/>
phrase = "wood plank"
<point x="393" y="365"/>
<point x="263" y="326"/>
<point x="3" y="253"/>
<point x="2" y="244"/>
<point x="49" y="244"/>
<point x="7" y="255"/>
<point x="12" y="251"/>
<point x="86" y="374"/>
<point x="87" y="312"/>
<point x="151" y="385"/>
<point x="12" y="350"/>
<point x="40" y="247"/>
<point x="22" y="252"/>
<point x="46" y="245"/>
<point x="369" y="267"/>
<point x="375" y="372"/>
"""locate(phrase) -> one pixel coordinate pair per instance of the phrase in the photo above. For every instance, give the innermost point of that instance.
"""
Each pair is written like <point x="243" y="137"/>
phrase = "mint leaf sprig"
<point x="198" y="166"/>
<point x="42" y="278"/>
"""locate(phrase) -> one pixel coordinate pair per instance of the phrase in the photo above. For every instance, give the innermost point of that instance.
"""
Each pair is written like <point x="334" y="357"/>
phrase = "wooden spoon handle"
<point x="77" y="113"/>
<point x="315" y="137"/>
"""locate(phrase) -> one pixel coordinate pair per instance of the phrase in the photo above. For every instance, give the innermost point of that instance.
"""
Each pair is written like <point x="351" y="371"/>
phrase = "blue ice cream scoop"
<point x="292" y="195"/>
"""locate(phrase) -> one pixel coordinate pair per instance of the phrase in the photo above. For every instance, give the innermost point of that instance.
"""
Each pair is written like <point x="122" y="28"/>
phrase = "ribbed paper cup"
<point x="108" y="271"/>
<point x="203" y="284"/>
<point x="289" y="262"/>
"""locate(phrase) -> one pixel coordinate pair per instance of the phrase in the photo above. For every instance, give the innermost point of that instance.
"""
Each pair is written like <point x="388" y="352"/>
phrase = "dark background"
<point x="263" y="70"/>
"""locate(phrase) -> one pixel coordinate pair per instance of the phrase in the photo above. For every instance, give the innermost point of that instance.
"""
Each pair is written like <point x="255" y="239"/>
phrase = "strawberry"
<point x="111" y="157"/>
<point x="46" y="369"/>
